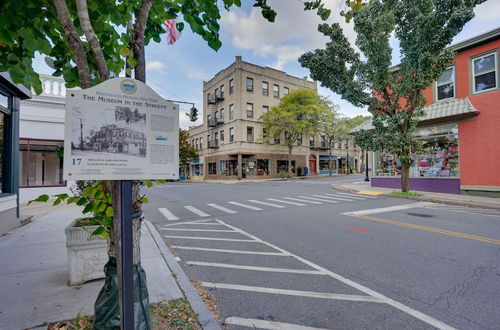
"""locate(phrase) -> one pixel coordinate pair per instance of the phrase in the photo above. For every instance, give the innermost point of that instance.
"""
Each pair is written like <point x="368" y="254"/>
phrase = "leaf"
<point x="81" y="201"/>
<point x="41" y="198"/>
<point x="148" y="183"/>
<point x="109" y="211"/>
<point x="215" y="44"/>
<point x="132" y="62"/>
<point x="87" y="191"/>
<point x="88" y="208"/>
<point x="144" y="199"/>
<point x="62" y="196"/>
<point x="57" y="202"/>
<point x="125" y="52"/>
<point x="98" y="231"/>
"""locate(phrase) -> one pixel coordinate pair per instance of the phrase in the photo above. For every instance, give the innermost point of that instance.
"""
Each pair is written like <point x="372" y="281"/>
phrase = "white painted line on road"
<point x="344" y="196"/>
<point x="197" y="222"/>
<point x="319" y="199"/>
<point x="167" y="214"/>
<point x="310" y="294"/>
<point x="416" y="314"/>
<point x="222" y="208"/>
<point x="196" y="211"/>
<point x="335" y="198"/>
<point x="260" y="269"/>
<point x="204" y="230"/>
<point x="355" y="195"/>
<point x="265" y="203"/>
<point x="286" y="202"/>
<point x="246" y="206"/>
<point x="302" y="200"/>
<point x="230" y="251"/>
<point x="263" y="324"/>
<point x="210" y="238"/>
<point x="389" y="209"/>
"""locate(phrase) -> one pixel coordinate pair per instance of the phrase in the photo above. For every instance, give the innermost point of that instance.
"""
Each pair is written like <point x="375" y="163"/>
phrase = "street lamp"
<point x="367" y="179"/>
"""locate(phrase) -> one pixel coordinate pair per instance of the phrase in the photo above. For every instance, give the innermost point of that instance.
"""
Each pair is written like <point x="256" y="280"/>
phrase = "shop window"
<point x="276" y="91"/>
<point x="282" y="165"/>
<point x="229" y="167"/>
<point x="41" y="163"/>
<point x="249" y="110"/>
<point x="231" y="86"/>
<point x="484" y="72"/>
<point x="445" y="86"/>
<point x="249" y="83"/>
<point x="265" y="109"/>
<point x="249" y="134"/>
<point x="263" y="166"/>
<point x="231" y="134"/>
<point x="324" y="164"/>
<point x="231" y="111"/>
<point x="265" y="88"/>
<point x="212" y="168"/>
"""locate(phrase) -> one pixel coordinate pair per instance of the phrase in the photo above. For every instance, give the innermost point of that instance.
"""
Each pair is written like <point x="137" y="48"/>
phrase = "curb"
<point x="205" y="317"/>
<point x="426" y="199"/>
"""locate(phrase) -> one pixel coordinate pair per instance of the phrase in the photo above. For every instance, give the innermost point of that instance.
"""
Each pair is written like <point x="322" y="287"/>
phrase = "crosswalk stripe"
<point x="229" y="251"/>
<point x="336" y="198"/>
<point x="260" y="269"/>
<point x="213" y="238"/>
<point x="351" y="197"/>
<point x="364" y="196"/>
<point x="302" y="200"/>
<point x="167" y="214"/>
<point x="246" y="206"/>
<point x="286" y="202"/>
<point x="265" y="203"/>
<point x="222" y="208"/>
<point x="196" y="211"/>
<point x="263" y="324"/>
<point x="319" y="199"/>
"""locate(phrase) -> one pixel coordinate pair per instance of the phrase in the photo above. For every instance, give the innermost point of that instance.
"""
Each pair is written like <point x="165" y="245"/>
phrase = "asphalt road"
<point x="299" y="253"/>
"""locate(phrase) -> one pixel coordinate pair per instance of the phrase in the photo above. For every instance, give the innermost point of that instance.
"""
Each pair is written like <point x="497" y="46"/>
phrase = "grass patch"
<point x="403" y="193"/>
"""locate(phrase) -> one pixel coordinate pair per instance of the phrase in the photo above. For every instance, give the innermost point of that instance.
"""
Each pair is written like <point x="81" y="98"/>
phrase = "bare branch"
<point x="138" y="40"/>
<point x="83" y="15"/>
<point x="74" y="42"/>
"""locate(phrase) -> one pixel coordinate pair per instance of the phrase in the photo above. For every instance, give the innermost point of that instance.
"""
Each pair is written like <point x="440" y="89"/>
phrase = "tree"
<point x="334" y="128"/>
<point x="186" y="151"/>
<point x="393" y="95"/>
<point x="298" y="114"/>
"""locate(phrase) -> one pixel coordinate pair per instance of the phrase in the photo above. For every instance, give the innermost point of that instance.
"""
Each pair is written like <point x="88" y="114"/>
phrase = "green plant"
<point x="283" y="174"/>
<point x="404" y="193"/>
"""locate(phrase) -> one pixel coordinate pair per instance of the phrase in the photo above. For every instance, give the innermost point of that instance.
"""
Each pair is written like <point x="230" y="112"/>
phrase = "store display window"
<point x="229" y="167"/>
<point x="263" y="166"/>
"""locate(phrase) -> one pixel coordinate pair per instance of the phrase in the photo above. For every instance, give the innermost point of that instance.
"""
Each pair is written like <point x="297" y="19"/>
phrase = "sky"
<point x="177" y="71"/>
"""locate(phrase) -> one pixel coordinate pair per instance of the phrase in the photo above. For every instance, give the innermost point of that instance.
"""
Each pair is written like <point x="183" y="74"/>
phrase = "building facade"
<point x="229" y="141"/>
<point x="460" y="129"/>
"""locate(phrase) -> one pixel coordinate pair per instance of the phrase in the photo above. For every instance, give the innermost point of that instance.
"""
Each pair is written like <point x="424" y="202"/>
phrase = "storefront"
<point x="196" y="168"/>
<point x="324" y="164"/>
<point x="41" y="163"/>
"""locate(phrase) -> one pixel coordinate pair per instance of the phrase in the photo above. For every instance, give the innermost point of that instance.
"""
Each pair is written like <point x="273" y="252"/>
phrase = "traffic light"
<point x="193" y="114"/>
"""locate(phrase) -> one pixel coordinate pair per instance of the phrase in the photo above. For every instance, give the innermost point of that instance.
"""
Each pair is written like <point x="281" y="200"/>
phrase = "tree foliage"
<point x="186" y="151"/>
<point x="299" y="113"/>
<point x="366" y="79"/>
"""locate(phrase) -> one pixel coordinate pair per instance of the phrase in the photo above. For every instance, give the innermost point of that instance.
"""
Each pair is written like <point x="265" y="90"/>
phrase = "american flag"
<point x="172" y="33"/>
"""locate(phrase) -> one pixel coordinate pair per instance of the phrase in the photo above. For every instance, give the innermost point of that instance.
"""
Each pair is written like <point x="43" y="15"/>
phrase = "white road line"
<point x="389" y="209"/>
<point x="230" y="251"/>
<point x="210" y="238"/>
<point x="222" y="208"/>
<point x="196" y="211"/>
<point x="319" y="199"/>
<point x="268" y="204"/>
<point x="416" y="314"/>
<point x="280" y="201"/>
<point x="205" y="230"/>
<point x="167" y="214"/>
<point x="344" y="196"/>
<point x="263" y="324"/>
<point x="260" y="269"/>
<point x="197" y="222"/>
<point x="301" y="200"/>
<point x="356" y="195"/>
<point x="335" y="198"/>
<point x="246" y="206"/>
<point x="310" y="294"/>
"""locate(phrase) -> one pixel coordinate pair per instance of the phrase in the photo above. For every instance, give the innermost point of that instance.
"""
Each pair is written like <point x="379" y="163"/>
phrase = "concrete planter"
<point x="87" y="254"/>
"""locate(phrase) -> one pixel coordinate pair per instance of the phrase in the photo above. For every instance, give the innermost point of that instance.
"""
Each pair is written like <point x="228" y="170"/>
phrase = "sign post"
<point x="121" y="130"/>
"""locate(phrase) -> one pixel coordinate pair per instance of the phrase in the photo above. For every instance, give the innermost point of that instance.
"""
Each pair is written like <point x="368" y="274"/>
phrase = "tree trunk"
<point x="138" y="40"/>
<point x="330" y="162"/>
<point x="405" y="176"/>
<point x="290" y="161"/>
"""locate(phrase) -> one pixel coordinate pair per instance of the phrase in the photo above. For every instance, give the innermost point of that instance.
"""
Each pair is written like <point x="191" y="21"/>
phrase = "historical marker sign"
<point x="120" y="130"/>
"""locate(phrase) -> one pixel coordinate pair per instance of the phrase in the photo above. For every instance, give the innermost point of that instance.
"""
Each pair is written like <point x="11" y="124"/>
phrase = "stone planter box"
<point x="87" y="254"/>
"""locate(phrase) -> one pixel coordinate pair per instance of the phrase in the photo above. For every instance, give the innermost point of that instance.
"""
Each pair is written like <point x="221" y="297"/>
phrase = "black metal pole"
<point x="367" y="178"/>
<point x="127" y="255"/>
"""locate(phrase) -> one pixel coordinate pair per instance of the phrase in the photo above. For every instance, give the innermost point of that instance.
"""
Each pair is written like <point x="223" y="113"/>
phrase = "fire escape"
<point x="214" y="121"/>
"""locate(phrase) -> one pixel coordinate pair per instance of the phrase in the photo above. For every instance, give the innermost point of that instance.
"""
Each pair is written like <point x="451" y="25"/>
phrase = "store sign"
<point x="120" y="130"/>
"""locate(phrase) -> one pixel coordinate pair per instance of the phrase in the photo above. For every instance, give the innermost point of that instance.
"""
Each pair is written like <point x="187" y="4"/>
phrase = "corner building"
<point x="229" y="141"/>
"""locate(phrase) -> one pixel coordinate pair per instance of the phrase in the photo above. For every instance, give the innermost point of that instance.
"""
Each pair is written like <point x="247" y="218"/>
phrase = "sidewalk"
<point x="452" y="199"/>
<point x="34" y="274"/>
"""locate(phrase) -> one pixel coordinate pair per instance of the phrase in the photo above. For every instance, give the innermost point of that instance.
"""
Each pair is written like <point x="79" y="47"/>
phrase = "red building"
<point x="461" y="126"/>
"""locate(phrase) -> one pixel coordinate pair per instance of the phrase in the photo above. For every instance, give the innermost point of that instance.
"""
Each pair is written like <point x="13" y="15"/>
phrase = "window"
<point x="231" y="86"/>
<point x="212" y="168"/>
<point x="323" y="141"/>
<point x="311" y="141"/>
<point x="285" y="91"/>
<point x="265" y="88"/>
<point x="484" y="70"/>
<point x="209" y="96"/>
<point x="299" y="140"/>
<point x="231" y="134"/>
<point x="221" y="137"/>
<point x="249" y="134"/>
<point x="445" y="86"/>
<point x="228" y="167"/>
<point x="196" y="146"/>
<point x="41" y="163"/>
<point x="216" y="116"/>
<point x="208" y="141"/>
<point x="231" y="111"/>
<point x="249" y="84"/>
<point x="263" y="166"/>
<point x="216" y="139"/>
<point x="222" y="114"/>
<point x="287" y="137"/>
<point x="3" y="134"/>
<point x="208" y="119"/>
<point x="276" y="91"/>
<point x="222" y="91"/>
<point x="216" y="93"/>
<point x="265" y="109"/>
<point x="249" y="110"/>
<point x="201" y="143"/>
<point x="282" y="165"/>
<point x="277" y="139"/>
<point x="264" y="133"/>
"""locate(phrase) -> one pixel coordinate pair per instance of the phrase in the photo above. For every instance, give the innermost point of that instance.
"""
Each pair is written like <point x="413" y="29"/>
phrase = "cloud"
<point x="487" y="11"/>
<point x="155" y="66"/>
<point x="293" y="33"/>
